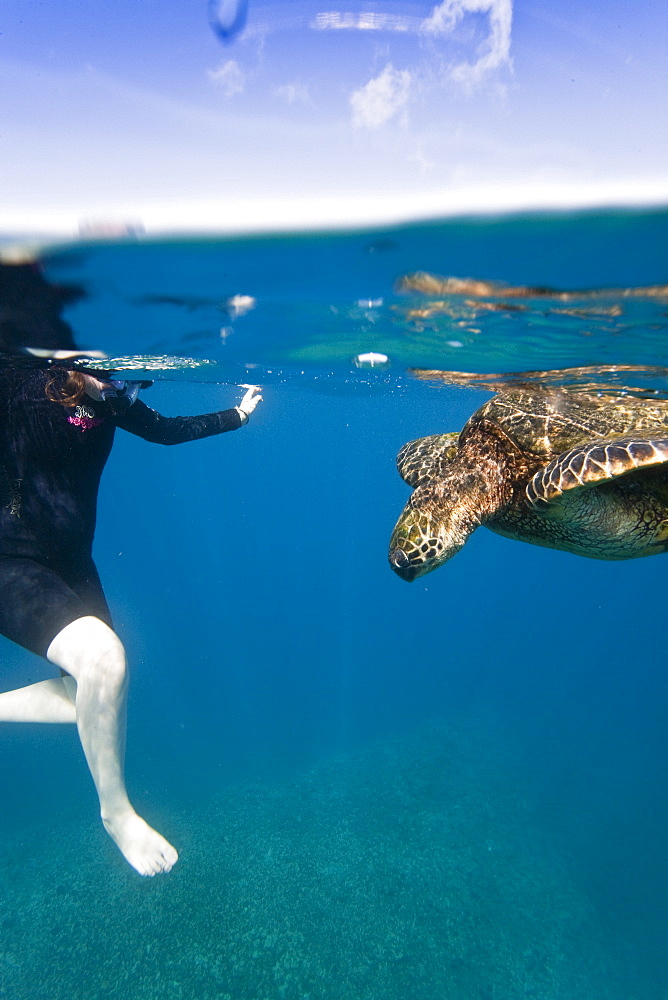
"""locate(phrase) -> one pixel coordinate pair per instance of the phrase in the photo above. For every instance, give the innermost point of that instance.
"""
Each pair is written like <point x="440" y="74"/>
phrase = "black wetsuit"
<point x="51" y="461"/>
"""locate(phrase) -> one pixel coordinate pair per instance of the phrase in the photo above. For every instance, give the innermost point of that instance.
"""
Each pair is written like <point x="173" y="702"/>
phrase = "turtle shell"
<point x="551" y="422"/>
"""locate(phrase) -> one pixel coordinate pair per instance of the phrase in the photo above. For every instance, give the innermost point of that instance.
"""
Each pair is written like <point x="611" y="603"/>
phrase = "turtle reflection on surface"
<point x="585" y="472"/>
<point x="471" y="299"/>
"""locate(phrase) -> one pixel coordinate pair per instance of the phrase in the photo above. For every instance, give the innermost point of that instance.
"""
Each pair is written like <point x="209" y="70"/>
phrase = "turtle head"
<point x="433" y="527"/>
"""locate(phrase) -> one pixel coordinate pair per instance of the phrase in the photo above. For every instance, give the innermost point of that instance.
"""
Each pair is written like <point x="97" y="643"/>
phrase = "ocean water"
<point x="454" y="789"/>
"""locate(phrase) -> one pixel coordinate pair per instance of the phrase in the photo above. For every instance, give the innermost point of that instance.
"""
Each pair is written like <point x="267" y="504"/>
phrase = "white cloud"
<point x="495" y="50"/>
<point x="381" y="99"/>
<point x="293" y="93"/>
<point x="425" y="164"/>
<point x="229" y="76"/>
<point x="364" y="21"/>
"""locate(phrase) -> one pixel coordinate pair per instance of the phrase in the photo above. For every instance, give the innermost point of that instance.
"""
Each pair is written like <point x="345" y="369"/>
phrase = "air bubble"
<point x="371" y="360"/>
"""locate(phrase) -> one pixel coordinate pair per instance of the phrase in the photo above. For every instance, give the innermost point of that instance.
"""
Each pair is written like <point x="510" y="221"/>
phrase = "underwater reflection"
<point x="470" y="307"/>
<point x="582" y="468"/>
<point x="31" y="309"/>
<point x="488" y="295"/>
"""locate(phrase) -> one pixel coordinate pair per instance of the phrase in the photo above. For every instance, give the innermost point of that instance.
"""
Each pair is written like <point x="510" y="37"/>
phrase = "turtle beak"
<point x="402" y="566"/>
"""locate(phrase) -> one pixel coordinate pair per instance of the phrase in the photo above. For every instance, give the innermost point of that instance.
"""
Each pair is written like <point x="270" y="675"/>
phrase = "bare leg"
<point x="46" y="701"/>
<point x="93" y="654"/>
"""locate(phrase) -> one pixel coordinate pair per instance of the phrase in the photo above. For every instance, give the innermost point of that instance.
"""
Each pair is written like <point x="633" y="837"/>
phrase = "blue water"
<point x="449" y="790"/>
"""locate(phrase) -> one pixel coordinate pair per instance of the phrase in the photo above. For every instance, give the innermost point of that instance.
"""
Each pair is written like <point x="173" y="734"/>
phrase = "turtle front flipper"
<point x="426" y="458"/>
<point x="593" y="463"/>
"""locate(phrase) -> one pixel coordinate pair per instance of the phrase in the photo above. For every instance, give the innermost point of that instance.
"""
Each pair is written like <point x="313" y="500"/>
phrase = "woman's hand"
<point x="249" y="402"/>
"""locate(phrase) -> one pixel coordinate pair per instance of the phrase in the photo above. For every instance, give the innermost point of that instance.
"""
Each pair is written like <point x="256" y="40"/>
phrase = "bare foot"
<point x="142" y="846"/>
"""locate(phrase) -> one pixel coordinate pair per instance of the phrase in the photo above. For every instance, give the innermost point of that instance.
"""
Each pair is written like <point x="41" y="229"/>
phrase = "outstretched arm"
<point x="152" y="426"/>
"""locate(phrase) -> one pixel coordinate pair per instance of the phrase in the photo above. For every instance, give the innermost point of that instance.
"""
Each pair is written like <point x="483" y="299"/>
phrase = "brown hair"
<point x="68" y="392"/>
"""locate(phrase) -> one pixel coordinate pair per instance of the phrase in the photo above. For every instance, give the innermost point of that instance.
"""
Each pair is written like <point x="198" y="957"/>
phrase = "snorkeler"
<point x="56" y="433"/>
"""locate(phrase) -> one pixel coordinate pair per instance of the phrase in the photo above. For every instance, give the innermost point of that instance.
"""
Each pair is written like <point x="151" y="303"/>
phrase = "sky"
<point x="230" y="115"/>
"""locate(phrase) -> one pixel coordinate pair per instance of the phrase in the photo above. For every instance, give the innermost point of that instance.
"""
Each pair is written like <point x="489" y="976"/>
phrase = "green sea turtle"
<point x="580" y="471"/>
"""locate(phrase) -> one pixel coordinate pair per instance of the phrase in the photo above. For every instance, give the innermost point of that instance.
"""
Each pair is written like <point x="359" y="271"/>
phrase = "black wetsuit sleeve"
<point x="152" y="426"/>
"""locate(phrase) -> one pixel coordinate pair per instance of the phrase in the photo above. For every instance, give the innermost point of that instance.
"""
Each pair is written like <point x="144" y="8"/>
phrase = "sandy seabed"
<point x="410" y="870"/>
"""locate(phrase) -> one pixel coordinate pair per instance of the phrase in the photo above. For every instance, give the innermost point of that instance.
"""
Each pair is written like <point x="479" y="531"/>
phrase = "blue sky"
<point x="323" y="112"/>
